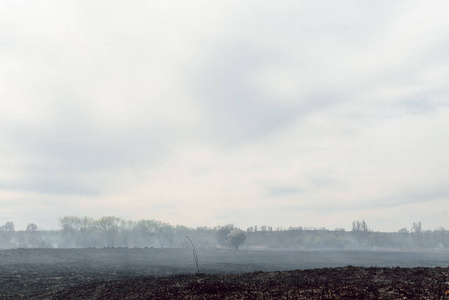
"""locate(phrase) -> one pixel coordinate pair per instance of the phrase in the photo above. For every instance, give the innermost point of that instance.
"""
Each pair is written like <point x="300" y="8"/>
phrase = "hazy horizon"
<point x="204" y="113"/>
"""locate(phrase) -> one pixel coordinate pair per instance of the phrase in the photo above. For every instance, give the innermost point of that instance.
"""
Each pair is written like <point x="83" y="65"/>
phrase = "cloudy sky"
<point x="279" y="113"/>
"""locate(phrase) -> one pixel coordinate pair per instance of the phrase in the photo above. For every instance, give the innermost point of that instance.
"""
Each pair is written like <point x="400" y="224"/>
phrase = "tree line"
<point x="111" y="231"/>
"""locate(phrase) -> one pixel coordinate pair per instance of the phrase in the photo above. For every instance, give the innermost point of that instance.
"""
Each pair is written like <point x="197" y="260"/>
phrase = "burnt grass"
<point x="328" y="283"/>
<point x="164" y="274"/>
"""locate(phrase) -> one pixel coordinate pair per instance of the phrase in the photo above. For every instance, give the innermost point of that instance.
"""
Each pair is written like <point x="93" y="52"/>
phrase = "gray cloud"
<point x="71" y="152"/>
<point x="280" y="191"/>
<point x="53" y="183"/>
<point x="243" y="112"/>
<point x="240" y="110"/>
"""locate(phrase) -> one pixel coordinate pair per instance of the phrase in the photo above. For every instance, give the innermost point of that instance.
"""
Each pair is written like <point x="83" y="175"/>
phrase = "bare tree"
<point x="110" y="226"/>
<point x="33" y="237"/>
<point x="87" y="227"/>
<point x="236" y="237"/>
<point x="230" y="236"/>
<point x="70" y="226"/>
<point x="361" y="232"/>
<point x="222" y="234"/>
<point x="9" y="226"/>
<point x="417" y="234"/>
<point x="31" y="227"/>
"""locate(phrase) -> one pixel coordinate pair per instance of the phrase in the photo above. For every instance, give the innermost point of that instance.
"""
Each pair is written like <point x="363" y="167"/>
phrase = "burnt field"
<point x="169" y="274"/>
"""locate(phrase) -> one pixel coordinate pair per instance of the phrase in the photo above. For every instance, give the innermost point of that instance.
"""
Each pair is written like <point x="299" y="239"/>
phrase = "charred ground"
<point x="329" y="283"/>
<point x="168" y="273"/>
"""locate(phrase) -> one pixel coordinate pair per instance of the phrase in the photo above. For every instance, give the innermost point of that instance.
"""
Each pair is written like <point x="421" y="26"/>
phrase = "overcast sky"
<point x="278" y="113"/>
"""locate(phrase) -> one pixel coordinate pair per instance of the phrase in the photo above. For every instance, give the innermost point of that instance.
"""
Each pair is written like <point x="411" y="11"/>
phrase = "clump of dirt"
<point x="328" y="283"/>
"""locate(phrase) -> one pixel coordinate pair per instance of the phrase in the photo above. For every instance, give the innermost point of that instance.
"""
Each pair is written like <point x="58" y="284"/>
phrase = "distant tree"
<point x="33" y="237"/>
<point x="222" y="234"/>
<point x="31" y="227"/>
<point x="361" y="232"/>
<point x="298" y="228"/>
<point x="402" y="239"/>
<point x="145" y="231"/>
<point x="86" y="228"/>
<point x="236" y="237"/>
<point x="110" y="226"/>
<point x="417" y="228"/>
<point x="126" y="230"/>
<point x="403" y="230"/>
<point x="70" y="226"/>
<point x="230" y="236"/>
<point x="165" y="235"/>
<point x="9" y="226"/>
<point x="442" y="237"/>
<point x="417" y="234"/>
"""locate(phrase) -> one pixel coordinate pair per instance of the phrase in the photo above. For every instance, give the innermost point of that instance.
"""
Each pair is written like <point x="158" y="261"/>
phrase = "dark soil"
<point x="156" y="274"/>
<point x="332" y="283"/>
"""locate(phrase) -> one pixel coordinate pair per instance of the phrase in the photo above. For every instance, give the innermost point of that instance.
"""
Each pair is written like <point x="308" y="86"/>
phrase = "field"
<point x="169" y="274"/>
